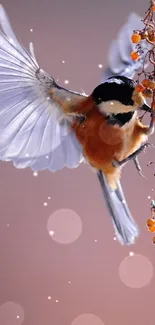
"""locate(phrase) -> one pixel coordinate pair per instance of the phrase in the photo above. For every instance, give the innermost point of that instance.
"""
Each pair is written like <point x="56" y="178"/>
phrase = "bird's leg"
<point x="116" y="163"/>
<point x="149" y="131"/>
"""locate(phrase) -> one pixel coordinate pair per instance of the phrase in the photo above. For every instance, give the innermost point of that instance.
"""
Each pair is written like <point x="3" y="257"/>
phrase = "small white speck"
<point x="68" y="99"/>
<point x="131" y="254"/>
<point x="8" y="225"/>
<point x="46" y="157"/>
<point x="51" y="232"/>
<point x="49" y="197"/>
<point x="18" y="317"/>
<point x="95" y="240"/>
<point x="35" y="174"/>
<point x="57" y="301"/>
<point x="48" y="98"/>
<point x="27" y="155"/>
<point x="149" y="197"/>
<point x="49" y="297"/>
<point x="111" y="103"/>
<point x="31" y="30"/>
<point x="66" y="82"/>
<point x="63" y="61"/>
<point x="11" y="40"/>
<point x="127" y="69"/>
<point x="69" y="282"/>
<point x="152" y="189"/>
<point x="45" y="204"/>
<point x="100" y="66"/>
<point x="123" y="201"/>
<point x="114" y="238"/>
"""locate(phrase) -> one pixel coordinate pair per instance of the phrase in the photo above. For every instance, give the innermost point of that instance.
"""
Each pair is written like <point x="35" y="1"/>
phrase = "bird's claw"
<point x="144" y="146"/>
<point x="140" y="173"/>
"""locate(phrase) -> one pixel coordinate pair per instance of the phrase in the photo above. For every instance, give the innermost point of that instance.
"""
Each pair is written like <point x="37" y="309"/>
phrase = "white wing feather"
<point x="119" y="59"/>
<point x="30" y="132"/>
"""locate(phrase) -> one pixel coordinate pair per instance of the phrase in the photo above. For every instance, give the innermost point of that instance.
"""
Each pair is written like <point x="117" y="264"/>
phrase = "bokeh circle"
<point x="110" y="135"/>
<point x="87" y="319"/>
<point x="136" y="271"/>
<point x="64" y="226"/>
<point x="11" y="314"/>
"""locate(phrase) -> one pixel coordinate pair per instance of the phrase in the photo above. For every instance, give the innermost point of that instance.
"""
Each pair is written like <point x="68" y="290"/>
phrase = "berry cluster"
<point x="147" y="34"/>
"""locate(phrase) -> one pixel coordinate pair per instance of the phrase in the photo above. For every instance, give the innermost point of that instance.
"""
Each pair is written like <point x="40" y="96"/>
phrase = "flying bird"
<point x="45" y="126"/>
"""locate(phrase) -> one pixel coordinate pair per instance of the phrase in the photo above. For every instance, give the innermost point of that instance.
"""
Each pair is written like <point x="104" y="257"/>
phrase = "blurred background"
<point x="59" y="261"/>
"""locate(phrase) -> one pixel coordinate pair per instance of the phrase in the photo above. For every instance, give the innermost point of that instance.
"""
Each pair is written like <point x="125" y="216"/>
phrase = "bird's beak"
<point x="146" y="108"/>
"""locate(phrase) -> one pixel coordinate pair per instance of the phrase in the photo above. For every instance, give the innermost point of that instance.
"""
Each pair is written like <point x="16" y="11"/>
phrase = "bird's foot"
<point x="116" y="163"/>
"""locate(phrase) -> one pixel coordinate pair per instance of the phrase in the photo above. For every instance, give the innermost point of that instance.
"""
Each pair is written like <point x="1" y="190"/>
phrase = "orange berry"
<point x="152" y="229"/>
<point x="136" y="38"/>
<point x="139" y="88"/>
<point x="148" y="93"/>
<point x="153" y="240"/>
<point x="151" y="84"/>
<point x="135" y="56"/>
<point x="150" y="222"/>
<point x="153" y="8"/>
<point x="145" y="82"/>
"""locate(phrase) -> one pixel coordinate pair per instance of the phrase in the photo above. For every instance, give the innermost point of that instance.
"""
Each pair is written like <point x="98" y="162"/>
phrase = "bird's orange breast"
<point x="101" y="142"/>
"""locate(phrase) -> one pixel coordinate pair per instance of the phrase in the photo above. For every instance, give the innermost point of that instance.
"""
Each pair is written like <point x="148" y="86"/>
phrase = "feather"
<point x="119" y="59"/>
<point x="31" y="134"/>
<point x="125" y="227"/>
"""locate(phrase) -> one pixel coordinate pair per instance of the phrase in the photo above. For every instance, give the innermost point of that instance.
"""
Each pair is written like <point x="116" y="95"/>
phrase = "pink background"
<point x="59" y="262"/>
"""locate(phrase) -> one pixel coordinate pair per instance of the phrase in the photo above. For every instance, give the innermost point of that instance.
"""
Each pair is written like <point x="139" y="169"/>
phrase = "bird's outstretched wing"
<point x="31" y="107"/>
<point x="119" y="59"/>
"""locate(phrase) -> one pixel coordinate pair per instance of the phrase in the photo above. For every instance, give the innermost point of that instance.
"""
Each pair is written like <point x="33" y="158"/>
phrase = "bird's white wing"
<point x="31" y="134"/>
<point x="119" y="59"/>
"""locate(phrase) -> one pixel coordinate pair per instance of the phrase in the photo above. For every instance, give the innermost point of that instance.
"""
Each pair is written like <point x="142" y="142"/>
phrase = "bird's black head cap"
<point x="117" y="88"/>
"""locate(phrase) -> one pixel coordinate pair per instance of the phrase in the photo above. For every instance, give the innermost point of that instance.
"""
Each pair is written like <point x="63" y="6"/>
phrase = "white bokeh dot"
<point x="11" y="314"/>
<point x="109" y="137"/>
<point x="87" y="319"/>
<point x="65" y="226"/>
<point x="136" y="272"/>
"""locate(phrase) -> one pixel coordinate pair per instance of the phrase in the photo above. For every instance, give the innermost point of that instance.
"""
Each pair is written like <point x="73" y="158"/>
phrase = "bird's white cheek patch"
<point x="106" y="107"/>
<point x="114" y="107"/>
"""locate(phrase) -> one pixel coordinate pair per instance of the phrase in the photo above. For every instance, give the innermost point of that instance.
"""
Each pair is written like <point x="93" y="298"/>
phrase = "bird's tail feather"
<point x="125" y="227"/>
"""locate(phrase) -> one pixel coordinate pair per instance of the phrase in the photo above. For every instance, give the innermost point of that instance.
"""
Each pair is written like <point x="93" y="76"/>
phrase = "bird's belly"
<point x="101" y="144"/>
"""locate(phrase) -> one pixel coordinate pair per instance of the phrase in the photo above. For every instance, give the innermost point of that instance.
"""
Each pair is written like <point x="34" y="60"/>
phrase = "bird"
<point x="45" y="126"/>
